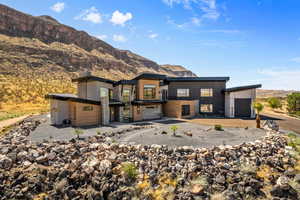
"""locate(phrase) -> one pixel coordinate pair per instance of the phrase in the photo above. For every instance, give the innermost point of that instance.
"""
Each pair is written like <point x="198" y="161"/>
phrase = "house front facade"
<point x="149" y="96"/>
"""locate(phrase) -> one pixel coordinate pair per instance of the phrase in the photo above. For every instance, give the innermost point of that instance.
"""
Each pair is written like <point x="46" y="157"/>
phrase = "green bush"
<point x="129" y="170"/>
<point x="174" y="128"/>
<point x="78" y="132"/>
<point x="293" y="101"/>
<point x="218" y="127"/>
<point x="274" y="102"/>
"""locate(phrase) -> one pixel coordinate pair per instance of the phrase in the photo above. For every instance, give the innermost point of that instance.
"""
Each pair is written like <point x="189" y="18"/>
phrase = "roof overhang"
<point x="145" y="102"/>
<point x="197" y="79"/>
<point x="150" y="76"/>
<point x="241" y="88"/>
<point x="71" y="97"/>
<point x="92" y="78"/>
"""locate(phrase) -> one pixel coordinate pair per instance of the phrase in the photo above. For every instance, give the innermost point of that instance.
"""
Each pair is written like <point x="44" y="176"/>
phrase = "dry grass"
<point x="240" y="123"/>
<point x="9" y="111"/>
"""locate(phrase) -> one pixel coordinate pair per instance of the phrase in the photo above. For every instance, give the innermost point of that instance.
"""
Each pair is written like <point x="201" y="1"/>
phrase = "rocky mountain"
<point x="39" y="44"/>
<point x="179" y="70"/>
<point x="273" y="93"/>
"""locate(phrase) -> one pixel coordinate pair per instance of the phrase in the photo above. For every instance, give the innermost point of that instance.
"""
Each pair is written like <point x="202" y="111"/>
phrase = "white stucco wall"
<point x="229" y="100"/>
<point x="59" y="111"/>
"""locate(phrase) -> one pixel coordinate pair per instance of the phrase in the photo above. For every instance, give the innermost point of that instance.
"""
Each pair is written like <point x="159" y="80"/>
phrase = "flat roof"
<point x="196" y="79"/>
<point x="240" y="88"/>
<point x="125" y="82"/>
<point x="92" y="78"/>
<point x="150" y="76"/>
<point x="71" y="97"/>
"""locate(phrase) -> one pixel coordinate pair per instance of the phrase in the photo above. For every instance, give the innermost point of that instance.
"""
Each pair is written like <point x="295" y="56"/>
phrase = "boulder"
<point x="5" y="162"/>
<point x="270" y="125"/>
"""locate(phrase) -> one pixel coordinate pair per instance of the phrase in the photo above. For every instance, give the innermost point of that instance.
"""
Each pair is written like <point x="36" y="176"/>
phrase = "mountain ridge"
<point x="48" y="30"/>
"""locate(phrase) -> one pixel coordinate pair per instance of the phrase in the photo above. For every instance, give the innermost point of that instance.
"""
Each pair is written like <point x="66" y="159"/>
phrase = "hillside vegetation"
<point x="38" y="55"/>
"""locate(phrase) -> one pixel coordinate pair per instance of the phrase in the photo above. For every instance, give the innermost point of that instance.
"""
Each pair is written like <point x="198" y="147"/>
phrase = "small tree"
<point x="78" y="132"/>
<point x="258" y="107"/>
<point x="274" y="103"/>
<point x="174" y="129"/>
<point x="293" y="101"/>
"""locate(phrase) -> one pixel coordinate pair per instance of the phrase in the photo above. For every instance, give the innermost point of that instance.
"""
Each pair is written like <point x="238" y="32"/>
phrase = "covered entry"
<point x="242" y="107"/>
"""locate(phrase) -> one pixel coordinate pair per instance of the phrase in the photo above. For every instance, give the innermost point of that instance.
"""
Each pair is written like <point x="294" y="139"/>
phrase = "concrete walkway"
<point x="12" y="121"/>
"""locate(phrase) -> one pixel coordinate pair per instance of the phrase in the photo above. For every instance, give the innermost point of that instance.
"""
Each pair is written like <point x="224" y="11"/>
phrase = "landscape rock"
<point x="92" y="169"/>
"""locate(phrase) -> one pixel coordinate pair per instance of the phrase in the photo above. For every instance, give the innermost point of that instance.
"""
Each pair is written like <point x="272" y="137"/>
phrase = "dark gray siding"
<point x="218" y="99"/>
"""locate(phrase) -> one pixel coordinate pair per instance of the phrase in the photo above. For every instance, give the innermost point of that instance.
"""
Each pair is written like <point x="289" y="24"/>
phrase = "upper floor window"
<point x="149" y="91"/>
<point x="104" y="92"/>
<point x="183" y="92"/>
<point x="206" y="92"/>
<point x="126" y="95"/>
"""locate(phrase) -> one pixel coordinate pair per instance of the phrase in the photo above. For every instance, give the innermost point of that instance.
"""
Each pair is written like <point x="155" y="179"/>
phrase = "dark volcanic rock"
<point x="95" y="169"/>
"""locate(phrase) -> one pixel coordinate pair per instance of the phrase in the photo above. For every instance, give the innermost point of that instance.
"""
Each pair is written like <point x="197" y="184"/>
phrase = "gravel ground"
<point x="202" y="135"/>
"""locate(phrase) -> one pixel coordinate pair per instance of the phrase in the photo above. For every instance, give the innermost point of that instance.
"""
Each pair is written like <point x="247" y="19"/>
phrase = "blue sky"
<point x="252" y="41"/>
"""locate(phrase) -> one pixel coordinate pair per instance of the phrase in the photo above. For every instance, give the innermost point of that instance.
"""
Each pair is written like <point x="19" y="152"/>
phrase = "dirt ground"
<point x="285" y="122"/>
<point x="239" y="123"/>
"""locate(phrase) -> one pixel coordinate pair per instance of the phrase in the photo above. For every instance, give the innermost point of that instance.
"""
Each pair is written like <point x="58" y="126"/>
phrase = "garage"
<point x="151" y="112"/>
<point x="242" y="107"/>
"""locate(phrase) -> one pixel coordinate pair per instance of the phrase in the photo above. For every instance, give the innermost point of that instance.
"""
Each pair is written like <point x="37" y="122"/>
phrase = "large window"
<point x="206" y="108"/>
<point x="126" y="95"/>
<point x="206" y="92"/>
<point x="183" y="92"/>
<point x="149" y="91"/>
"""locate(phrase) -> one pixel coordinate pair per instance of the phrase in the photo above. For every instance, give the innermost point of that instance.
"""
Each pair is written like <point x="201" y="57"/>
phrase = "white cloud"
<point x="196" y="21"/>
<point x="119" y="38"/>
<point x="208" y="7"/>
<point x="284" y="79"/>
<point x="153" y="35"/>
<point x="58" y="7"/>
<point x="101" y="37"/>
<point x="119" y="18"/>
<point x="297" y="59"/>
<point x="91" y="14"/>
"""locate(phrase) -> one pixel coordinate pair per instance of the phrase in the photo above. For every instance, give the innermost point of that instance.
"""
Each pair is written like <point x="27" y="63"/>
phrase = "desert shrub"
<point x="294" y="141"/>
<point x="219" y="127"/>
<point x="274" y="103"/>
<point x="78" y="132"/>
<point x="293" y="103"/>
<point x="174" y="128"/>
<point x="129" y="170"/>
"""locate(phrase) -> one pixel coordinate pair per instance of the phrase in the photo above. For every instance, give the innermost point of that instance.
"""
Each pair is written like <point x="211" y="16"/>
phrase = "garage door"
<point x="242" y="107"/>
<point x="151" y="112"/>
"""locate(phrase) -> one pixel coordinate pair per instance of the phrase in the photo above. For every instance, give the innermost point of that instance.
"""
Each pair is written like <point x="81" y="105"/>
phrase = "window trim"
<point x="186" y="89"/>
<point x="149" y="87"/>
<point x="210" y="92"/>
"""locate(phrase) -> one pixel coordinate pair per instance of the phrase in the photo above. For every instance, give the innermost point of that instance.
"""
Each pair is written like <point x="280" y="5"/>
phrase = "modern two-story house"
<point x="149" y="96"/>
